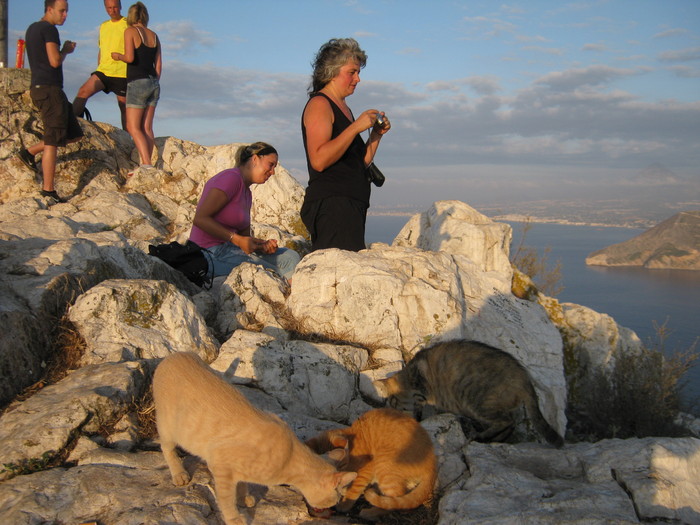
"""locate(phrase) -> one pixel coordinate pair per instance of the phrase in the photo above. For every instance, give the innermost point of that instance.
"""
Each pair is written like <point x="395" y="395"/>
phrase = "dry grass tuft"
<point x="65" y="355"/>
<point x="145" y="410"/>
<point x="547" y="278"/>
<point x="299" y="329"/>
<point x="638" y="397"/>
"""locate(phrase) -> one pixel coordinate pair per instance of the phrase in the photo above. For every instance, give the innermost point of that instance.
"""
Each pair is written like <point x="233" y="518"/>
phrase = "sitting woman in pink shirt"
<point x="222" y="220"/>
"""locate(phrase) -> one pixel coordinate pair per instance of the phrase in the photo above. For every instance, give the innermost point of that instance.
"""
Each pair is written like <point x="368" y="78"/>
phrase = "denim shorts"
<point x="142" y="92"/>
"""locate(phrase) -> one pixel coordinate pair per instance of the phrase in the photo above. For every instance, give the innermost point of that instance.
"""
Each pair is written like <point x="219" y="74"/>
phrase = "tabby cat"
<point x="393" y="457"/>
<point x="206" y="416"/>
<point x="471" y="379"/>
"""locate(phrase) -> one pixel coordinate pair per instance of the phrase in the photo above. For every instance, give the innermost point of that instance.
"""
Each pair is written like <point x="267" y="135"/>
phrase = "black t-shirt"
<point x="38" y="34"/>
<point x="347" y="177"/>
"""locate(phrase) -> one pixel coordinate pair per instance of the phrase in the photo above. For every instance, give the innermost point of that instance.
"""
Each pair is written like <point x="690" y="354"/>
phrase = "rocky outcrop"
<point x="80" y="449"/>
<point x="672" y="245"/>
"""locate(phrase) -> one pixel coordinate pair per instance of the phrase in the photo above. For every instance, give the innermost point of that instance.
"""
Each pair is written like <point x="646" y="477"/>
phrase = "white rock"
<point x="319" y="380"/>
<point x="139" y="319"/>
<point x="455" y="227"/>
<point x="252" y="298"/>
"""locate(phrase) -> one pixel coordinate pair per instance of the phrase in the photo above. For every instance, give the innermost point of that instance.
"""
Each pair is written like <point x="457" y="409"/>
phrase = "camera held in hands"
<point x="382" y="120"/>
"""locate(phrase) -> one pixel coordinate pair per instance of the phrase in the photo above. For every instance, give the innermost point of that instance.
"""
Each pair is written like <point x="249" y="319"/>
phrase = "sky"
<point x="489" y="102"/>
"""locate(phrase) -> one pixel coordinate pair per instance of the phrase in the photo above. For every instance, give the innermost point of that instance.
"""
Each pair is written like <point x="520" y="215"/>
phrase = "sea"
<point x="639" y="299"/>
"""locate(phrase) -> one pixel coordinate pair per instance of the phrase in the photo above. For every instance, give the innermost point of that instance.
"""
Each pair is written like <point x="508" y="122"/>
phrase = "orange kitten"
<point x="393" y="457"/>
<point x="206" y="416"/>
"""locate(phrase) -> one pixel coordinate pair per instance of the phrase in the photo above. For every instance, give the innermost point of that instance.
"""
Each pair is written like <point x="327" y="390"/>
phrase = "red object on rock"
<point x="19" y="63"/>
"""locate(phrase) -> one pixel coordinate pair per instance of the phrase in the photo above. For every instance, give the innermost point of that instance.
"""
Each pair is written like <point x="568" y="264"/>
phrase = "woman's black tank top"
<point x="347" y="176"/>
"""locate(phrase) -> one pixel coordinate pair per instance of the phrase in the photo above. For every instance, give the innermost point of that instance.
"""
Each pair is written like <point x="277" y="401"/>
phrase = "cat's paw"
<point x="248" y="501"/>
<point x="181" y="478"/>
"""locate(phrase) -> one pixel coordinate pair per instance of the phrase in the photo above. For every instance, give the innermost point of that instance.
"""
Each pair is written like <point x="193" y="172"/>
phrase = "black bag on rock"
<point x="375" y="175"/>
<point x="189" y="259"/>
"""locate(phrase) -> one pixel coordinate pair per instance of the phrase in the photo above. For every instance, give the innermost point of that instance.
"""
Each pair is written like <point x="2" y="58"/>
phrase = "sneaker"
<point x="53" y="195"/>
<point x="27" y="159"/>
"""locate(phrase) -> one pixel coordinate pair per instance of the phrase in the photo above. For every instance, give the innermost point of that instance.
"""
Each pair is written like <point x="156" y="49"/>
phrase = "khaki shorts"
<point x="60" y="124"/>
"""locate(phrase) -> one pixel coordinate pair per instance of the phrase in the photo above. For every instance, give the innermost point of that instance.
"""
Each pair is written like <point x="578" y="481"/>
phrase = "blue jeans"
<point x="225" y="257"/>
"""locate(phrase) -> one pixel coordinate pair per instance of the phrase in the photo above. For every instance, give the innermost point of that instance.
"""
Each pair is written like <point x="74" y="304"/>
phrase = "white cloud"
<point x="182" y="36"/>
<point x="594" y="47"/>
<point x="671" y="32"/>
<point x="681" y="55"/>
<point x="594" y="75"/>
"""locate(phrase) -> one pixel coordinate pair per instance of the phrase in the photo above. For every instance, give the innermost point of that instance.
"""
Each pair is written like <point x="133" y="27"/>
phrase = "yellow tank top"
<point x="111" y="40"/>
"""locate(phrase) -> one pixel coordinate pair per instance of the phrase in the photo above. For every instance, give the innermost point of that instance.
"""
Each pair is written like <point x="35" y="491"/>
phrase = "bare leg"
<point x="48" y="166"/>
<point x="148" y="129"/>
<point x="36" y="148"/>
<point x="91" y="86"/>
<point x="121" y="102"/>
<point x="134" y="119"/>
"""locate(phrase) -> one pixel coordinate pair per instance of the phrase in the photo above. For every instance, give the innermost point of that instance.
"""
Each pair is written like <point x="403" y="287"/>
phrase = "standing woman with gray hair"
<point x="144" y="64"/>
<point x="337" y="197"/>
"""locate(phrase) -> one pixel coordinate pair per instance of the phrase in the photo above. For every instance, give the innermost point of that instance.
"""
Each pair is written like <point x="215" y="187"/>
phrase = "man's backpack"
<point x="189" y="259"/>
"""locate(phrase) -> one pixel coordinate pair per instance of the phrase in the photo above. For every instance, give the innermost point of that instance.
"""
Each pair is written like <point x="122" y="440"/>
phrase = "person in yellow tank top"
<point x="110" y="75"/>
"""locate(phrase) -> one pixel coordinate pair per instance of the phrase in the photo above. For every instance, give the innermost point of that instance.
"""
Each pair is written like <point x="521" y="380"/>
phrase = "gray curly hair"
<point x="333" y="55"/>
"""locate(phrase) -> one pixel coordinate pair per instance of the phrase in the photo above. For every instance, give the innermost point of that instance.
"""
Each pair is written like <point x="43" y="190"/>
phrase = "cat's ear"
<point x="344" y="479"/>
<point x="337" y="456"/>
<point x="338" y="439"/>
<point x="388" y="386"/>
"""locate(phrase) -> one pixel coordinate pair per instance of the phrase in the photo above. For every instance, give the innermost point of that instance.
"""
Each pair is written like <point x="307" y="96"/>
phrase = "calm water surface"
<point x="636" y="298"/>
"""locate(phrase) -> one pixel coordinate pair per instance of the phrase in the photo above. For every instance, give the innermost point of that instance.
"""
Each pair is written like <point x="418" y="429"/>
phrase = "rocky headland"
<point x="86" y="315"/>
<point x="673" y="244"/>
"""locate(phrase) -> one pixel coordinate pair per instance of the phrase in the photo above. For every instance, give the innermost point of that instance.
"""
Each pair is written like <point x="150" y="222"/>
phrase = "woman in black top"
<point x="143" y="58"/>
<point x="337" y="197"/>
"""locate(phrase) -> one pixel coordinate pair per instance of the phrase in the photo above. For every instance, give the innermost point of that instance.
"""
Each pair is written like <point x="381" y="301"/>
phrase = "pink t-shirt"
<point x="235" y="215"/>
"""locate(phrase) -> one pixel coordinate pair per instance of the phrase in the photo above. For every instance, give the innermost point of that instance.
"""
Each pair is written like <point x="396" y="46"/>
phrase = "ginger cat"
<point x="393" y="457"/>
<point x="208" y="417"/>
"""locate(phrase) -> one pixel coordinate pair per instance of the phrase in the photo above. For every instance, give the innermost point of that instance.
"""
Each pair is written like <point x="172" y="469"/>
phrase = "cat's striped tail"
<point x="540" y="423"/>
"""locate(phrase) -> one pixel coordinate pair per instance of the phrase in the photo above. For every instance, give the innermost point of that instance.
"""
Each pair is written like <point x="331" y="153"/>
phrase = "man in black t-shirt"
<point x="46" y="58"/>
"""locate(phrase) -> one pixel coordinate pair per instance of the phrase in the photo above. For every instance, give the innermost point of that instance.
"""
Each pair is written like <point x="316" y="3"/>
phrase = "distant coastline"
<point x="517" y="217"/>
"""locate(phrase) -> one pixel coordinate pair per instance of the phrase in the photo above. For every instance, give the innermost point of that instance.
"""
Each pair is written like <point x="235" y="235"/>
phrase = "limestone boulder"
<point x="456" y="227"/>
<point x="126" y="320"/>
<point x="612" y="481"/>
<point x="41" y="428"/>
<point x="319" y="380"/>
<point x="252" y="298"/>
<point x="596" y="338"/>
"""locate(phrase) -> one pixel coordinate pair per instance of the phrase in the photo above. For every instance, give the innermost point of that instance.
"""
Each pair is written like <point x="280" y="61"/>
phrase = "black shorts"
<point x="60" y="124"/>
<point x="116" y="85"/>
<point x="335" y="222"/>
